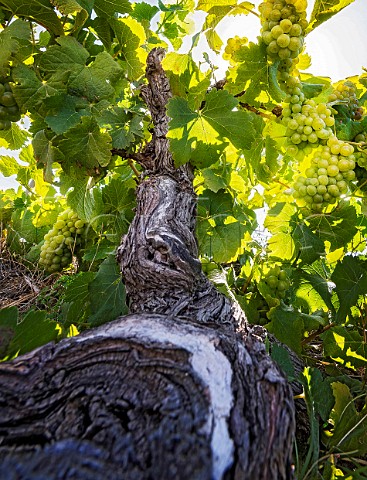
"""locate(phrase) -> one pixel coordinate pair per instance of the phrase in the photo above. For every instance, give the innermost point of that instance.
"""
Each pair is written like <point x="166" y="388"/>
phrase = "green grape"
<point x="314" y="121"/>
<point x="283" y="28"/>
<point x="9" y="110"/>
<point x="61" y="242"/>
<point x="344" y="96"/>
<point x="278" y="282"/>
<point x="7" y="99"/>
<point x="235" y="43"/>
<point x="328" y="177"/>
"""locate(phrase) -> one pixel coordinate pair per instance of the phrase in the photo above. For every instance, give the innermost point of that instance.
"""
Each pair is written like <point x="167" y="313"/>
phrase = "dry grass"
<point x="20" y="284"/>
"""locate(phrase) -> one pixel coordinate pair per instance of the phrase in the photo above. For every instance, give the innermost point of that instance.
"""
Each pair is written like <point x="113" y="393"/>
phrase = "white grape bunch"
<point x="346" y="94"/>
<point x="328" y="177"/>
<point x="61" y="241"/>
<point x="283" y="25"/>
<point x="233" y="45"/>
<point x="278" y="282"/>
<point x="307" y="122"/>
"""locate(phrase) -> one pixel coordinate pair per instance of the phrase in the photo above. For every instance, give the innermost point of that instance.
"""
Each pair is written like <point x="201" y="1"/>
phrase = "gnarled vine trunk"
<point x="179" y="389"/>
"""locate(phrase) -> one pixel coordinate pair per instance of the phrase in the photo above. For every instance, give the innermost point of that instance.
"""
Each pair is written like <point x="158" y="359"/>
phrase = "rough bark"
<point x="181" y="388"/>
<point x="146" y="397"/>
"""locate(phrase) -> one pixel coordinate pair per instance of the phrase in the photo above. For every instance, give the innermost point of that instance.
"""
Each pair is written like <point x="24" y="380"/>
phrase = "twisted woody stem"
<point x="159" y="255"/>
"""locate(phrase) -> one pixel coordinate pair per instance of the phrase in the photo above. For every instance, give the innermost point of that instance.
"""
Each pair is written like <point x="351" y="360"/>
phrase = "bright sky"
<point x="338" y="48"/>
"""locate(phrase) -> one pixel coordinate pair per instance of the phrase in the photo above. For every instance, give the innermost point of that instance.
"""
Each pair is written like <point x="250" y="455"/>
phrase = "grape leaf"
<point x="186" y="79"/>
<point x="8" y="165"/>
<point x="325" y="9"/>
<point x="281" y="356"/>
<point x="64" y="113"/>
<point x="33" y="331"/>
<point x="10" y="41"/>
<point x="309" y="246"/>
<point x="144" y="12"/>
<point x="253" y="75"/>
<point x="281" y="244"/>
<point x="86" y="201"/>
<point x="319" y="392"/>
<point x="345" y="346"/>
<point x="40" y="11"/>
<point x="119" y="195"/>
<point x="30" y="92"/>
<point x="214" y="40"/>
<point x="213" y="181"/>
<point x="64" y="56"/>
<point x="76" y="304"/>
<point x="123" y="126"/>
<point x="337" y="227"/>
<point x="14" y="138"/>
<point x="205" y="154"/>
<point x="214" y="124"/>
<point x="96" y="81"/>
<point x="130" y="36"/>
<point x="288" y="327"/>
<point x="45" y="154"/>
<point x="207" y="5"/>
<point x="72" y="7"/>
<point x="313" y="287"/>
<point x="218" y="10"/>
<point x="350" y="278"/>
<point x="220" y="231"/>
<point x="107" y="293"/>
<point x="86" y="147"/>
<point x="108" y="8"/>
<point x="350" y="425"/>
<point x="103" y="30"/>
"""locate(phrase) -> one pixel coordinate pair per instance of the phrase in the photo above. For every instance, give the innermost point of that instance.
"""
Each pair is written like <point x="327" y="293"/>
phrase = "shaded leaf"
<point x="86" y="147"/>
<point x="350" y="426"/>
<point x="288" y="327"/>
<point x="107" y="293"/>
<point x="345" y="346"/>
<point x="108" y="8"/>
<point x="86" y="202"/>
<point x="350" y="278"/>
<point x="33" y="331"/>
<point x="40" y="11"/>
<point x="337" y="227"/>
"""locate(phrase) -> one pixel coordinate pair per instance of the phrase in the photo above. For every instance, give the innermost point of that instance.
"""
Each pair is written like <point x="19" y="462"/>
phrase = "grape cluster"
<point x="278" y="282"/>
<point x="9" y="110"/>
<point x="61" y="241"/>
<point x="262" y="310"/>
<point x="328" y="177"/>
<point x="346" y="93"/>
<point x="307" y="123"/>
<point x="233" y="44"/>
<point x="283" y="27"/>
<point x="288" y="75"/>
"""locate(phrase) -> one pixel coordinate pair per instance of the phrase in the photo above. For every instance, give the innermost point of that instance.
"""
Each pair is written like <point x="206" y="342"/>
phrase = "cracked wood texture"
<point x="181" y="388"/>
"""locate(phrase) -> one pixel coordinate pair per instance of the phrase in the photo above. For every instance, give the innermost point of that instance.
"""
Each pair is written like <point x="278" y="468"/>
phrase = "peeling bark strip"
<point x="180" y="389"/>
<point x="145" y="397"/>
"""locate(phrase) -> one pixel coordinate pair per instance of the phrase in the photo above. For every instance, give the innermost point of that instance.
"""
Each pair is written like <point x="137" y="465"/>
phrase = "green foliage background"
<point x="76" y="68"/>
